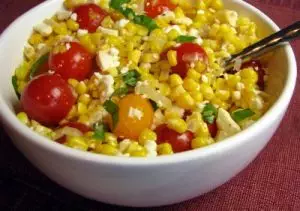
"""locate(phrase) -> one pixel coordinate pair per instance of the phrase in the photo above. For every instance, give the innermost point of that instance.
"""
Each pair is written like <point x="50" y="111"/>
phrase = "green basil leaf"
<point x="241" y="114"/>
<point x="145" y="21"/>
<point x="116" y="4"/>
<point x="37" y="65"/>
<point x="184" y="39"/>
<point x="121" y="91"/>
<point x="131" y="77"/>
<point x="99" y="132"/>
<point x="209" y="113"/>
<point x="14" y="82"/>
<point x="113" y="109"/>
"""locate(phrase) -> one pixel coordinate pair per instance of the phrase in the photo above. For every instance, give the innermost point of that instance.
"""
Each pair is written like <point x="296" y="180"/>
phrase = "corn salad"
<point x="130" y="79"/>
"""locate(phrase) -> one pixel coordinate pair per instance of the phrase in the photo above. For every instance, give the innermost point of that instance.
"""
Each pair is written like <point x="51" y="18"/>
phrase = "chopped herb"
<point x="121" y="91"/>
<point x="183" y="39"/>
<point x="130" y="14"/>
<point x="37" y="65"/>
<point x="100" y="130"/>
<point x="113" y="109"/>
<point x="15" y="85"/>
<point x="241" y="114"/>
<point x="131" y="77"/>
<point x="154" y="105"/>
<point x="209" y="113"/>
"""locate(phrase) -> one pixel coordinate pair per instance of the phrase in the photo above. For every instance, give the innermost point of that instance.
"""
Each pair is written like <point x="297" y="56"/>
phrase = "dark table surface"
<point x="271" y="182"/>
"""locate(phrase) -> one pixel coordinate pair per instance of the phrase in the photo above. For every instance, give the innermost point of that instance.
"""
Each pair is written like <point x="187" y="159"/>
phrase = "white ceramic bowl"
<point x="133" y="181"/>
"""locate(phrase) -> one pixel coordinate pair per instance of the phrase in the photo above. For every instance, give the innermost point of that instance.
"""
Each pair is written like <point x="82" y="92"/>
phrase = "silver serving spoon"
<point x="285" y="35"/>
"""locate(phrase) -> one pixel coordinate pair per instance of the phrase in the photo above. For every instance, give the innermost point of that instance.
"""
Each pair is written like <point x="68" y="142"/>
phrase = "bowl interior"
<point x="14" y="38"/>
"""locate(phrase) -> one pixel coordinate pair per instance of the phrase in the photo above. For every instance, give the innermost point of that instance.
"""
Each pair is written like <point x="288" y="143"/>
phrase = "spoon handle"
<point x="287" y="34"/>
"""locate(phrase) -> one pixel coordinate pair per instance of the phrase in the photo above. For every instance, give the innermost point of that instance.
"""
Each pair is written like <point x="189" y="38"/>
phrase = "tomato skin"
<point x="257" y="66"/>
<point x="47" y="99"/>
<point x="213" y="129"/>
<point x="179" y="142"/>
<point x="76" y="62"/>
<point x="154" y="8"/>
<point x="186" y="54"/>
<point x="90" y="16"/>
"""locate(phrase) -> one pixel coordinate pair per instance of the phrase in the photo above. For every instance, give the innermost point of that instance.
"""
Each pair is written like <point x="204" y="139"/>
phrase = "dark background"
<point x="271" y="182"/>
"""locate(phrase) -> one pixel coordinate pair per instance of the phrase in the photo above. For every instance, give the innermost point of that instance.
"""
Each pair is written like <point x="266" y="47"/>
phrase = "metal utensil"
<point x="285" y="35"/>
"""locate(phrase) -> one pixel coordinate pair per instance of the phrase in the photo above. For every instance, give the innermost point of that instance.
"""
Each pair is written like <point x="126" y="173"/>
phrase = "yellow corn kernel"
<point x="223" y="94"/>
<point x="164" y="65"/>
<point x="111" y="139"/>
<point x="84" y="119"/>
<point x="22" y="71"/>
<point x="150" y="57"/>
<point x="217" y="4"/>
<point x="96" y="38"/>
<point x="175" y="80"/>
<point x="202" y="129"/>
<point x="200" y="67"/>
<point x="179" y="13"/>
<point x="207" y="91"/>
<point x="60" y="29"/>
<point x="81" y="108"/>
<point x="165" y="149"/>
<point x="172" y="57"/>
<point x="72" y="113"/>
<point x="72" y="25"/>
<point x="77" y="142"/>
<point x="35" y="39"/>
<point x="131" y="27"/>
<point x="84" y="98"/>
<point x="106" y="149"/>
<point x="135" y="56"/>
<point x="174" y="112"/>
<point x="249" y="74"/>
<point x="22" y="116"/>
<point x="107" y="22"/>
<point x="201" y="142"/>
<point x="191" y="85"/>
<point x="177" y="91"/>
<point x="233" y="80"/>
<point x="173" y="34"/>
<point x="220" y="83"/>
<point x="177" y="124"/>
<point x="175" y="2"/>
<point x="164" y="75"/>
<point x="185" y="101"/>
<point x="147" y="135"/>
<point x="197" y="96"/>
<point x="81" y="88"/>
<point x="169" y="45"/>
<point x="73" y="82"/>
<point x="134" y="146"/>
<point x="193" y="74"/>
<point x="86" y="42"/>
<point x="142" y="31"/>
<point x="164" y="89"/>
<point x="139" y="153"/>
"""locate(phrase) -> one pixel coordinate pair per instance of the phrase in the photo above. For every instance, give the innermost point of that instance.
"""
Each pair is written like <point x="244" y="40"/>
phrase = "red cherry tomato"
<point x="75" y="62"/>
<point x="257" y="66"/>
<point x="213" y="129"/>
<point x="154" y="8"/>
<point x="47" y="99"/>
<point x="90" y="16"/>
<point x="179" y="142"/>
<point x="187" y="53"/>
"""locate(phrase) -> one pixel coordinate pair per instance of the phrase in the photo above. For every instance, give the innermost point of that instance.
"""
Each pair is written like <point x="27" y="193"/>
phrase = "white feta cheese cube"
<point x="112" y="32"/>
<point x="74" y="16"/>
<point x="63" y="15"/>
<point x="44" y="29"/>
<point x="106" y="60"/>
<point x="226" y="124"/>
<point x="121" y="23"/>
<point x="82" y="32"/>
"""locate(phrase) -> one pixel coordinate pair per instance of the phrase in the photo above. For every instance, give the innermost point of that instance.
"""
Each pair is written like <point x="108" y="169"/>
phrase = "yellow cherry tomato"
<point x="135" y="115"/>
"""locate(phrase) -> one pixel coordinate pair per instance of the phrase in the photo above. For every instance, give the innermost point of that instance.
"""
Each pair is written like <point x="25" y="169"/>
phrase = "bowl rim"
<point x="9" y="118"/>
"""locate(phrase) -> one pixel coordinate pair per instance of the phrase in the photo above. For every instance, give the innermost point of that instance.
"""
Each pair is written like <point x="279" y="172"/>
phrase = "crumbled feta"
<point x="82" y="32"/>
<point x="121" y="23"/>
<point x="108" y="82"/>
<point x="68" y="46"/>
<point x="199" y="41"/>
<point x="114" y="51"/>
<point x="226" y="124"/>
<point x="44" y="29"/>
<point x="112" y="32"/>
<point x="124" y="70"/>
<point x="258" y="103"/>
<point x="29" y="51"/>
<point x="193" y="32"/>
<point x="236" y="95"/>
<point x="74" y="17"/>
<point x="158" y="119"/>
<point x="176" y="27"/>
<point x="151" y="148"/>
<point x="107" y="59"/>
<point x="123" y="146"/>
<point x="63" y="15"/>
<point x="135" y="113"/>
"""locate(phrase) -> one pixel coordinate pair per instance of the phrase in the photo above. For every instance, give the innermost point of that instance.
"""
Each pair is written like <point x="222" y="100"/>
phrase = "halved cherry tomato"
<point x="213" y="129"/>
<point x="187" y="53"/>
<point x="47" y="99"/>
<point x="154" y="8"/>
<point x="75" y="62"/>
<point x="135" y="115"/>
<point x="89" y="16"/>
<point x="257" y="66"/>
<point x="179" y="142"/>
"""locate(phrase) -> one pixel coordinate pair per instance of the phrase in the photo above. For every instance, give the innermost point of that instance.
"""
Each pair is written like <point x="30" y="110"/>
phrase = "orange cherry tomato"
<point x="135" y="115"/>
<point x="154" y="8"/>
